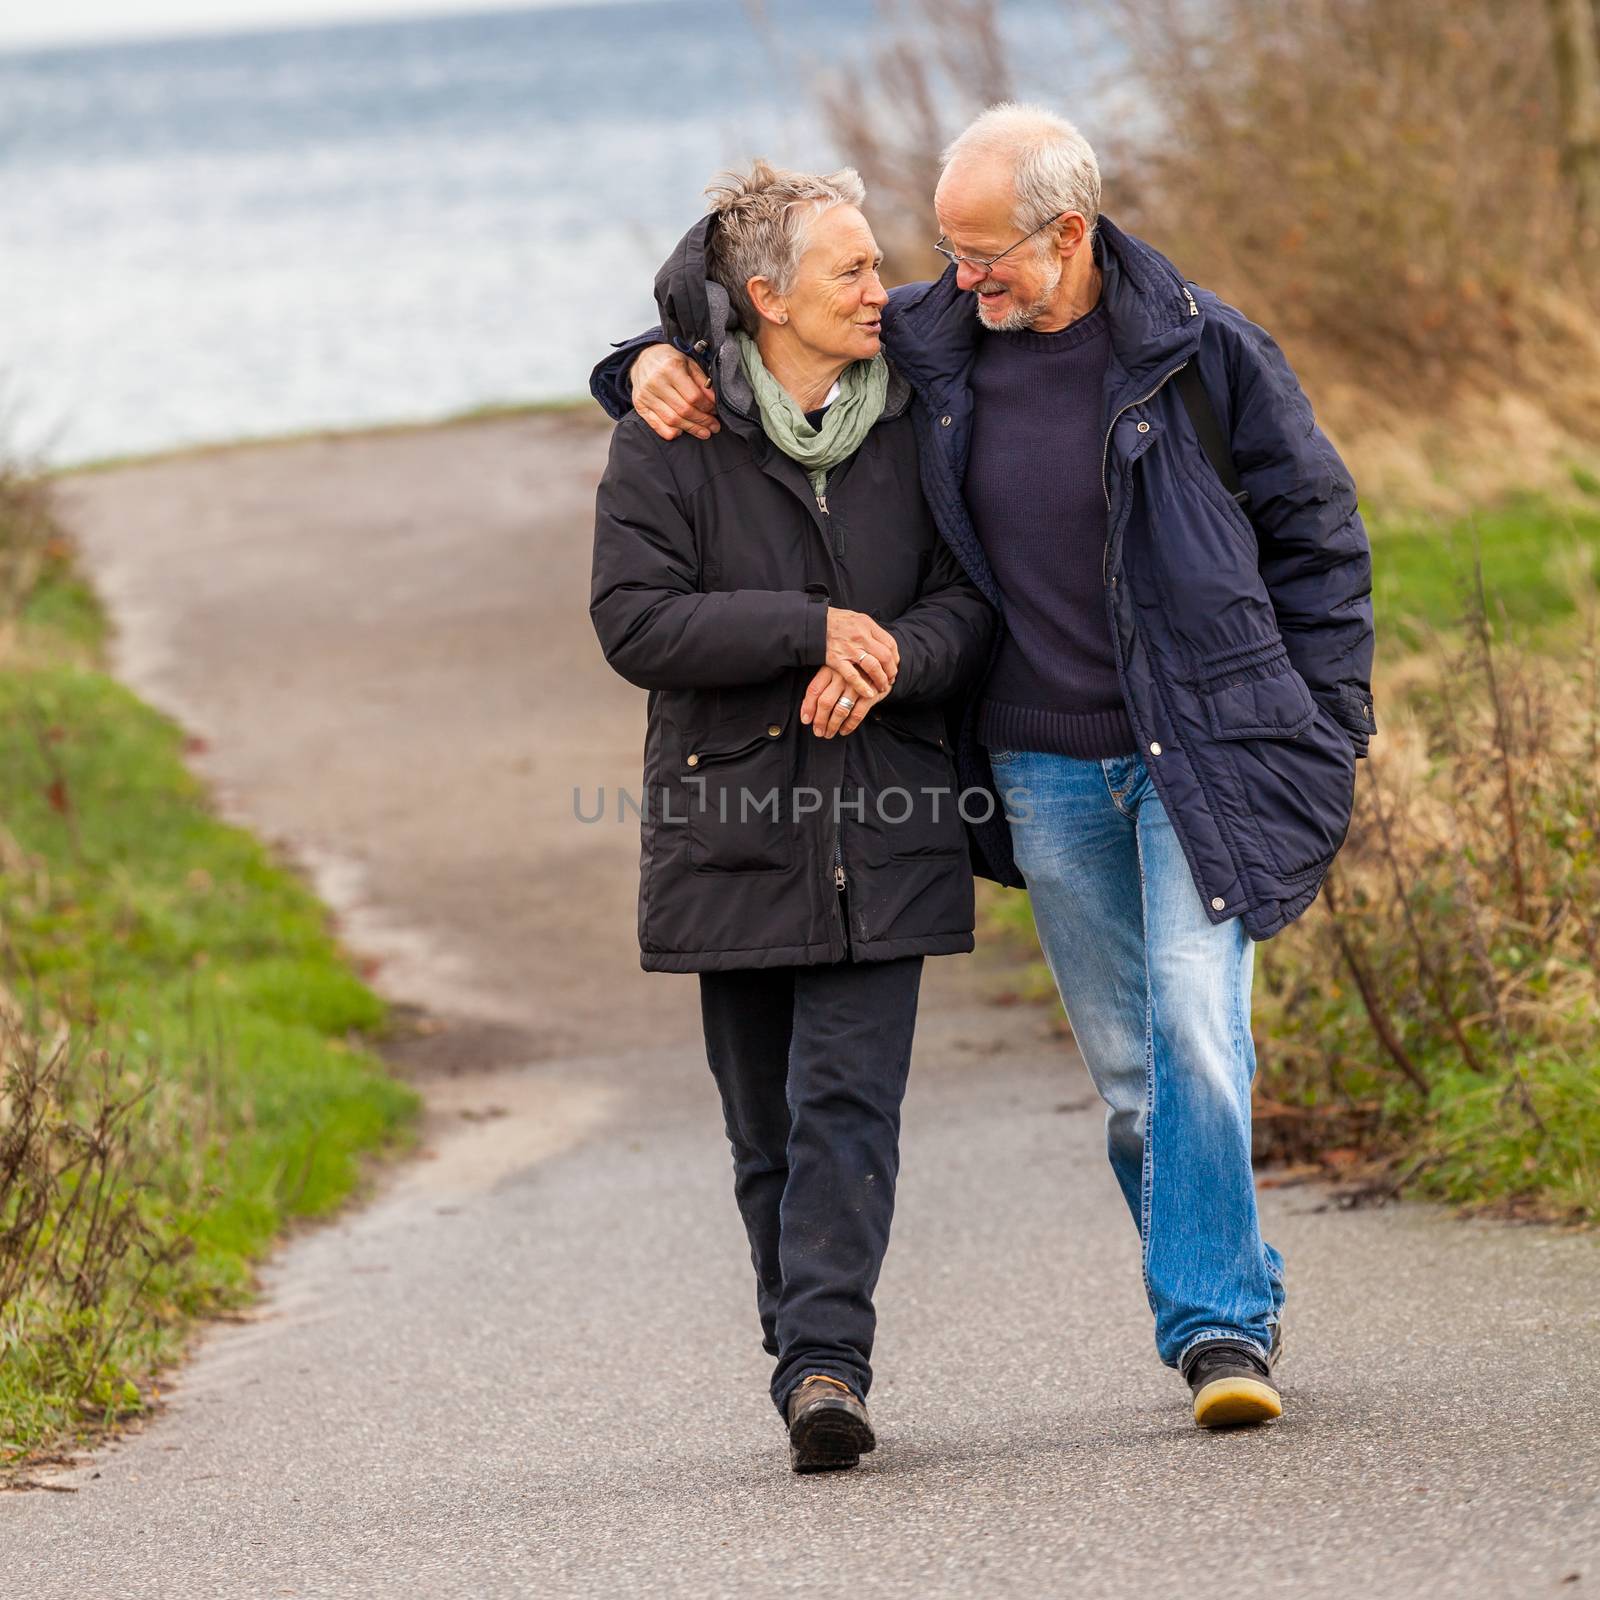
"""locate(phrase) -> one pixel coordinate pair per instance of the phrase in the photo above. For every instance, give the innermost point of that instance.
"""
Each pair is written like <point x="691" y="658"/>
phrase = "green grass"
<point x="1478" y="1146"/>
<point x="207" y="975"/>
<point x="1005" y="922"/>
<point x="1537" y="555"/>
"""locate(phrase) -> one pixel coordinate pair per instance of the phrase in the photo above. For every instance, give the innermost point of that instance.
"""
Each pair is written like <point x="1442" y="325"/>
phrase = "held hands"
<point x="829" y="706"/>
<point x="671" y="393"/>
<point x="863" y="654"/>
<point x="862" y="663"/>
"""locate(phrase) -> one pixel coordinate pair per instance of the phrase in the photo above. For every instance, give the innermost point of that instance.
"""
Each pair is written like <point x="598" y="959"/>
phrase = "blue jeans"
<point x="1159" y="1001"/>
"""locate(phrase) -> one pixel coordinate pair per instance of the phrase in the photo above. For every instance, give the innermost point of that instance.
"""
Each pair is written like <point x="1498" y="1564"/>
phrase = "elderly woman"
<point x="782" y="593"/>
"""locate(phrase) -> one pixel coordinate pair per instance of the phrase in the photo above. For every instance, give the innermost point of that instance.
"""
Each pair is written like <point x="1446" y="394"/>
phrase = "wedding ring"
<point x="845" y="703"/>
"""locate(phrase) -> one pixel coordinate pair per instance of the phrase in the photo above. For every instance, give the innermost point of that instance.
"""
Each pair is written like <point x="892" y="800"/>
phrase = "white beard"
<point x="1021" y="318"/>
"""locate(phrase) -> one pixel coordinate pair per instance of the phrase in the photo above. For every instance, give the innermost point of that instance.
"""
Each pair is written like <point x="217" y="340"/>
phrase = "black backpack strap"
<point x="1203" y="416"/>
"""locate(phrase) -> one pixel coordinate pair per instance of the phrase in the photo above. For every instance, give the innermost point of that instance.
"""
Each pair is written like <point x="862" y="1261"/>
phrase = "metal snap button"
<point x="1218" y="903"/>
<point x="1155" y="749"/>
<point x="1144" y="427"/>
<point x="944" y="422"/>
<point x="692" y="760"/>
<point x="774" y="730"/>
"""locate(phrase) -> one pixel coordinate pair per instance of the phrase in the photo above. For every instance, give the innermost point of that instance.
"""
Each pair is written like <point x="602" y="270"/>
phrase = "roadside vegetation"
<point x="1342" y="173"/>
<point x="1439" y="1009"/>
<point x="184" y="1067"/>
<point x="1432" y="1024"/>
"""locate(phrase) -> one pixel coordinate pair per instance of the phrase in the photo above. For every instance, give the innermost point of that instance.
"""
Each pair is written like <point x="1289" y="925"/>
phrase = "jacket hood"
<point x="698" y="316"/>
<point x="685" y="294"/>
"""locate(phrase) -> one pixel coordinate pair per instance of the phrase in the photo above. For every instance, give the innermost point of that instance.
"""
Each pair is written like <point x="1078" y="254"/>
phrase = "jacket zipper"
<point x="1105" y="555"/>
<point x="835" y="543"/>
<point x="1105" y="456"/>
<point x="840" y="904"/>
<point x="837" y="546"/>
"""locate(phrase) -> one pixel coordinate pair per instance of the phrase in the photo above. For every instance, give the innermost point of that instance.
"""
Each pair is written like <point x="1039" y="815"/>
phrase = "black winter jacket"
<point x="714" y="566"/>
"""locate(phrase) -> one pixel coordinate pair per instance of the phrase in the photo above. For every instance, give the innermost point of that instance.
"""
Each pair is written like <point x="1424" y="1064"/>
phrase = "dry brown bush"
<point x="27" y="537"/>
<point x="1381" y="186"/>
<point x="76" y="1250"/>
<point x="1443" y="996"/>
<point x="1380" y="181"/>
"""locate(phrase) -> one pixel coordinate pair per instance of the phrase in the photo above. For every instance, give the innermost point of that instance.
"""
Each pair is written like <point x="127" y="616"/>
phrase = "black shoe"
<point x="828" y="1426"/>
<point x="1232" y="1385"/>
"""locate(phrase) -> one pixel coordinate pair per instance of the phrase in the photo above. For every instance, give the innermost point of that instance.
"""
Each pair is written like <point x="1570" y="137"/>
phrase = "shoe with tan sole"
<point x="1232" y="1386"/>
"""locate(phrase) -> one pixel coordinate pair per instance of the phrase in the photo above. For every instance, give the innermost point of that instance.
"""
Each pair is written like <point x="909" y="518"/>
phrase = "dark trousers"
<point x="811" y="1063"/>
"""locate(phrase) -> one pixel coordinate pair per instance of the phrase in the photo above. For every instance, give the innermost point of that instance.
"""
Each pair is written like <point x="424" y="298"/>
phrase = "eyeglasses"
<point x="985" y="263"/>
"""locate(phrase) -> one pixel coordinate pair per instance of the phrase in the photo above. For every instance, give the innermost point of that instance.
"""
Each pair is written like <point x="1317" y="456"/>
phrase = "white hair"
<point x="764" y="217"/>
<point x="1053" y="165"/>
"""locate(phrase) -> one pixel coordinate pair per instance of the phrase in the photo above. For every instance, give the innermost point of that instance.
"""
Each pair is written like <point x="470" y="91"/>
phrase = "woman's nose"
<point x="874" y="293"/>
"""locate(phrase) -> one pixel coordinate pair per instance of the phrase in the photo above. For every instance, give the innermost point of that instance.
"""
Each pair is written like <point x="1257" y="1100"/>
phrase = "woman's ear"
<point x="770" y="306"/>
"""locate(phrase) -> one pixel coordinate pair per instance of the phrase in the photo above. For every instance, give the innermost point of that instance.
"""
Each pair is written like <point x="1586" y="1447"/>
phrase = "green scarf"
<point x="863" y="388"/>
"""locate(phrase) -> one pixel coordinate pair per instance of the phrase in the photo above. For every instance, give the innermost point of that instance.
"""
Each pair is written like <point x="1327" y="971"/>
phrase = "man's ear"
<point x="770" y="306"/>
<point x="1072" y="230"/>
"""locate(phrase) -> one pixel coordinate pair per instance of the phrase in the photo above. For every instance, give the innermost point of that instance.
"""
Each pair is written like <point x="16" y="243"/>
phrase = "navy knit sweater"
<point x="1035" y="493"/>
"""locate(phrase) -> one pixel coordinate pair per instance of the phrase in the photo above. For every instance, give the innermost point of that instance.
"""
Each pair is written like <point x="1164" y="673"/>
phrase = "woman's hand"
<point x="863" y="654"/>
<point x="830" y="708"/>
<point x="671" y="393"/>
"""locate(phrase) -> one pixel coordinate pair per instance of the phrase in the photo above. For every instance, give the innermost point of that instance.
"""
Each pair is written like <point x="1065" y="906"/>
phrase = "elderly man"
<point x="1128" y="469"/>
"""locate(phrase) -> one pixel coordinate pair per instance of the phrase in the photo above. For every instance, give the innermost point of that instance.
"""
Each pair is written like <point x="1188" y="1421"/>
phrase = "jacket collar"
<point x="932" y="332"/>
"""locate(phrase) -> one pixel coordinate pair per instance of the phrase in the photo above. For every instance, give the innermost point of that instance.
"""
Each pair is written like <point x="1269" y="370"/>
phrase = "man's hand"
<point x="861" y="652"/>
<point x="822" y="707"/>
<point x="671" y="393"/>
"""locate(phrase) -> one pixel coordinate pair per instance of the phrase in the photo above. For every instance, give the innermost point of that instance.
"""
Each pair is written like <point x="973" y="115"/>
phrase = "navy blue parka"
<point x="1243" y="637"/>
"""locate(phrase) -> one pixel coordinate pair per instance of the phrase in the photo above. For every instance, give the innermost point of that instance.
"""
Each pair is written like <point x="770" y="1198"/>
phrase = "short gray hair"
<point x="1055" y="168"/>
<point x="763" y="218"/>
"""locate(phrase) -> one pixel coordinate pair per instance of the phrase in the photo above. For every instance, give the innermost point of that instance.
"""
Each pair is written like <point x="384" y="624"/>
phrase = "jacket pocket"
<point x="1293" y="760"/>
<point x="916" y="803"/>
<point x="1264" y="698"/>
<point x="734" y="795"/>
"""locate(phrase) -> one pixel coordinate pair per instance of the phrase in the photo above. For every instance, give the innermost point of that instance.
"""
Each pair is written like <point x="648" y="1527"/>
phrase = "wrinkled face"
<point x="975" y="205"/>
<point x="836" y="305"/>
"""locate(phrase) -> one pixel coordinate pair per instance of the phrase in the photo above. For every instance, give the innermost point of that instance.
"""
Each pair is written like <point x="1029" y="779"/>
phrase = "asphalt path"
<point x="529" y="1366"/>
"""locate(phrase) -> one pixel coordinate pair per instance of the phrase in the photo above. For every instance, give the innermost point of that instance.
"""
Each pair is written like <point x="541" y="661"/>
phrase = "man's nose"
<point x="968" y="276"/>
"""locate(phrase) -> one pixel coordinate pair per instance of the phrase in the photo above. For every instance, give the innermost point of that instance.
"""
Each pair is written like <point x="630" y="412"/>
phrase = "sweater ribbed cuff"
<point x="1088" y="735"/>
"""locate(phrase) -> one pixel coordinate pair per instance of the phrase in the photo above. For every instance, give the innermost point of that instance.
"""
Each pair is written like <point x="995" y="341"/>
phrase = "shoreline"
<point x="490" y="411"/>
